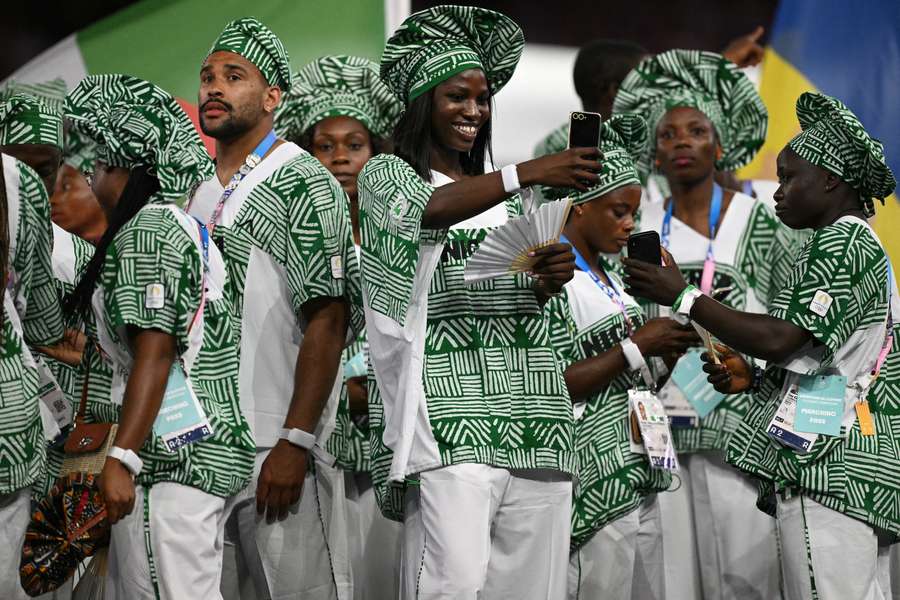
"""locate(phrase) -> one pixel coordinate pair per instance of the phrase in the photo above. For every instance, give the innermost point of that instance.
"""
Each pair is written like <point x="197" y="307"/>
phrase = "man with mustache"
<point x="282" y="223"/>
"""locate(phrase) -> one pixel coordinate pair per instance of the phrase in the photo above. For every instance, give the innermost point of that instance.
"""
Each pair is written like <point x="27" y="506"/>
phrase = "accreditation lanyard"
<point x="253" y="159"/>
<point x="715" y="209"/>
<point x="609" y="290"/>
<point x="204" y="244"/>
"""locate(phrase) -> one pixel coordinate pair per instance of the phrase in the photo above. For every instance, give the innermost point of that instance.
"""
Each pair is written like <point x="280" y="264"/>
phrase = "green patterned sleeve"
<point x="562" y="330"/>
<point x="320" y="256"/>
<point x="392" y="199"/>
<point x="43" y="322"/>
<point x="151" y="276"/>
<point x="819" y="293"/>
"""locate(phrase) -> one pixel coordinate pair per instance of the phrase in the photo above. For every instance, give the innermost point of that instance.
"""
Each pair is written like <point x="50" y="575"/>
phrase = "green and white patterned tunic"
<point x="161" y="245"/>
<point x="464" y="374"/>
<point x="612" y="480"/>
<point x="31" y="317"/>
<point x="349" y="442"/>
<point x="286" y="237"/>
<point x="753" y="251"/>
<point x="850" y="473"/>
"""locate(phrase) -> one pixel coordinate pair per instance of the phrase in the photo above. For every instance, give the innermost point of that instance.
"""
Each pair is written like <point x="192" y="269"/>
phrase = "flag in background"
<point x="849" y="50"/>
<point x="166" y="41"/>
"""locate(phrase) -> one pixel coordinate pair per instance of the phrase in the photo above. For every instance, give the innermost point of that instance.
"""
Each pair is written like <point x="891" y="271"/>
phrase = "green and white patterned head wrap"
<point x="833" y="138"/>
<point x="703" y="80"/>
<point x="26" y="119"/>
<point x="623" y="140"/>
<point x="258" y="44"/>
<point x="433" y="45"/>
<point x="135" y="123"/>
<point x="335" y="86"/>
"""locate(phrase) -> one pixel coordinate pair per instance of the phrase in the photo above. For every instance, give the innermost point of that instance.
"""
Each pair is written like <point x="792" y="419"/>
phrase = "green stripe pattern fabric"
<point x="26" y="119"/>
<point x="259" y="45"/>
<point x="707" y="82"/>
<point x="338" y="86"/>
<point x="437" y="43"/>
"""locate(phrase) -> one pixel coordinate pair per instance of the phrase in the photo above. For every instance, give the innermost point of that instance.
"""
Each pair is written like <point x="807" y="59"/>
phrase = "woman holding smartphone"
<point x="155" y="284"/>
<point x="820" y="433"/>
<point x="704" y="115"/>
<point x="472" y="428"/>
<point x="604" y="343"/>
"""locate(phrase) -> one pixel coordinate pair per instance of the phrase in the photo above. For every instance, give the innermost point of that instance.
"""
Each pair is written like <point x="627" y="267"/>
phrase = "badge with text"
<point x="181" y="420"/>
<point x="52" y="397"/>
<point x="653" y="425"/>
<point x="781" y="427"/>
<point x="680" y="412"/>
<point x="820" y="404"/>
<point x="688" y="375"/>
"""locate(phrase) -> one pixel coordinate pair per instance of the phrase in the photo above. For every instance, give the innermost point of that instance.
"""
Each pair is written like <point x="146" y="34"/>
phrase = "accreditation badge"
<point x="181" y="420"/>
<point x="646" y="411"/>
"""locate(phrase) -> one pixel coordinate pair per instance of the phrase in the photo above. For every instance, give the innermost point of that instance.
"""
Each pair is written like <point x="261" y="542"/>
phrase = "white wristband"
<point x="128" y="458"/>
<point x="298" y="437"/>
<point x="688" y="298"/>
<point x="510" y="176"/>
<point x="633" y="355"/>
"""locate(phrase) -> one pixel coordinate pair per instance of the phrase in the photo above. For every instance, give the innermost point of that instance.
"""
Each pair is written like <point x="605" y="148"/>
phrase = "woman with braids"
<point x="155" y="285"/>
<point x="30" y="316"/>
<point x="340" y="111"/>
<point x="472" y="428"/>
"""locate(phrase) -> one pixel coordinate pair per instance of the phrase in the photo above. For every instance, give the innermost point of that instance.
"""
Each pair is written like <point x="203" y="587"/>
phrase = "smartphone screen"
<point x="584" y="130"/>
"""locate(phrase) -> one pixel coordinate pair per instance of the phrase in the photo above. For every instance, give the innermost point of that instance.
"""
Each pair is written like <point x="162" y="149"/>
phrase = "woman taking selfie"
<point x="472" y="442"/>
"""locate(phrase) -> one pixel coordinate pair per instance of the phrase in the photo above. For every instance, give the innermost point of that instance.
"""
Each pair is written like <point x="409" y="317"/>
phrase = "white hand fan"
<point x="505" y="249"/>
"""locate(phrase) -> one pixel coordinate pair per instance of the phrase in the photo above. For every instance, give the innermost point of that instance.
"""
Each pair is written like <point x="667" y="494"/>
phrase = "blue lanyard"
<point x="609" y="290"/>
<point x="715" y="209"/>
<point x="250" y="162"/>
<point x="204" y="243"/>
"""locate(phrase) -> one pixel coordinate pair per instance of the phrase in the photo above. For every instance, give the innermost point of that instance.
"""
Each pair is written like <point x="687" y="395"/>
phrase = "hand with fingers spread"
<point x="746" y="51"/>
<point x="574" y="168"/>
<point x="660" y="284"/>
<point x="117" y="489"/>
<point x="280" y="481"/>
<point x="555" y="266"/>
<point x="733" y="375"/>
<point x="663" y="336"/>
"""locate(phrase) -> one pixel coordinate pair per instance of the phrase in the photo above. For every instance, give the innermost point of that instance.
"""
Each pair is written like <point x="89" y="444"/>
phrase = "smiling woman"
<point x="468" y="392"/>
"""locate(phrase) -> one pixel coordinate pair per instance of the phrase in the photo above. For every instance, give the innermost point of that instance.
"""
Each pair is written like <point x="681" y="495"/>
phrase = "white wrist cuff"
<point x="633" y="355"/>
<point x="510" y="179"/>
<point x="298" y="437"/>
<point x="128" y="458"/>
<point x="687" y="302"/>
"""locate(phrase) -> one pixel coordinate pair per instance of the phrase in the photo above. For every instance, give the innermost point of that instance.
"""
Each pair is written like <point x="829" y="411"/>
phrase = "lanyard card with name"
<point x="651" y="435"/>
<point x="820" y="404"/>
<point x="690" y="378"/>
<point x="782" y="426"/>
<point x="681" y="413"/>
<point x="181" y="420"/>
<point x="709" y="264"/>
<point x="53" y="398"/>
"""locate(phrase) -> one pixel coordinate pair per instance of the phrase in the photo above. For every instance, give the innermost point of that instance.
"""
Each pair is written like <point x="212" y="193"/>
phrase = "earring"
<point x="719" y="153"/>
<point x="657" y="163"/>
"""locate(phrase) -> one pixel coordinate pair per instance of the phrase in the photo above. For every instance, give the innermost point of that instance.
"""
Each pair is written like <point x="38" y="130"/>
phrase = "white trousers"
<point x="822" y="549"/>
<point x="374" y="542"/>
<point x="474" y="531"/>
<point x="682" y="568"/>
<point x="736" y="542"/>
<point x="622" y="560"/>
<point x="303" y="557"/>
<point x="169" y="547"/>
<point x="15" y="514"/>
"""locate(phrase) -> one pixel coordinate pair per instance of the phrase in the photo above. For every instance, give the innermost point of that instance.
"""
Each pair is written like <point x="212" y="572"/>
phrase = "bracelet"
<point x="128" y="458"/>
<point x="298" y="437"/>
<point x="510" y="175"/>
<point x="636" y="361"/>
<point x="685" y="300"/>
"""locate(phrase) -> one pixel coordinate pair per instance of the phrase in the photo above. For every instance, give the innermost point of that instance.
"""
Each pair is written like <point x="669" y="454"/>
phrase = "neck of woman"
<point x="585" y="249"/>
<point x="692" y="197"/>
<point x="446" y="160"/>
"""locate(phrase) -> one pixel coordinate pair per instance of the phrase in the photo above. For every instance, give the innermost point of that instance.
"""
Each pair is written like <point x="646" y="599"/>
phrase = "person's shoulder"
<point x="154" y="227"/>
<point x="386" y="168"/>
<point x="26" y="183"/>
<point x="848" y="240"/>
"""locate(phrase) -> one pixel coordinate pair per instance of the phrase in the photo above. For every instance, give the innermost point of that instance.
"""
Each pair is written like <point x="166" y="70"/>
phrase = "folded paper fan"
<point x="505" y="249"/>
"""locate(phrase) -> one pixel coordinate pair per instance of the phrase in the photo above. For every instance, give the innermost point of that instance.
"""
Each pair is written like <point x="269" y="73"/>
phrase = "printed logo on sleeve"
<point x="821" y="302"/>
<point x="155" y="295"/>
<point x="337" y="267"/>
<point x="397" y="209"/>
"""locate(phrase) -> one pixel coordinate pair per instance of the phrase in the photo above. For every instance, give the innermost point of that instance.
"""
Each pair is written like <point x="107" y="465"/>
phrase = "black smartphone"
<point x="645" y="246"/>
<point x="584" y="130"/>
